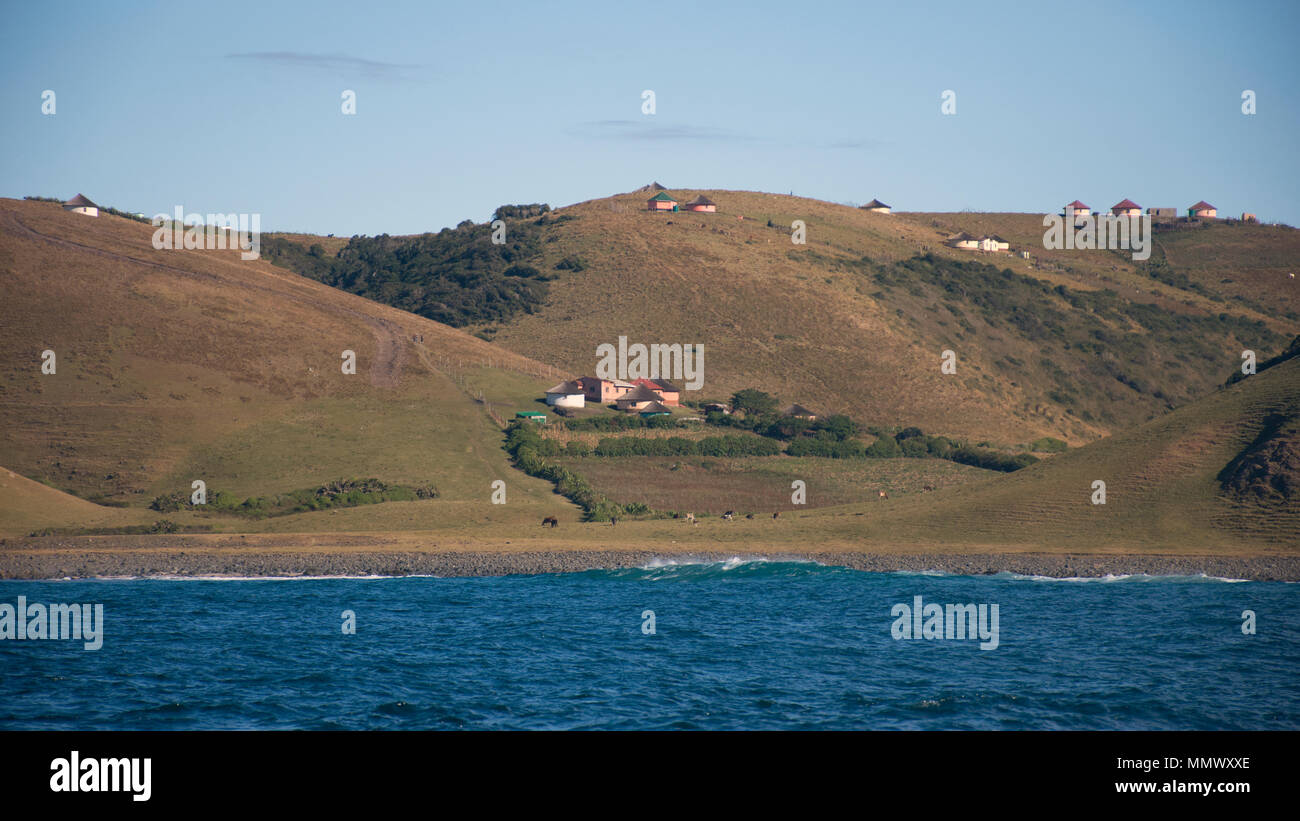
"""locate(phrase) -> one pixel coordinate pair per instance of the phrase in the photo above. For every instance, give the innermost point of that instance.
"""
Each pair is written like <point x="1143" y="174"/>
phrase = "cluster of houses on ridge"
<point x="1127" y="208"/>
<point x="1124" y="208"/>
<point x="663" y="201"/>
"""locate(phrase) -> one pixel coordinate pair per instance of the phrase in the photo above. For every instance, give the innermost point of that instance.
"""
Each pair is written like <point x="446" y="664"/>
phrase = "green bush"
<point x="1048" y="444"/>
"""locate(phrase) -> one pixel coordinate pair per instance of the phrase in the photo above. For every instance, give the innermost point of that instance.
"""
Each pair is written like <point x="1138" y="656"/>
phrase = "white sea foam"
<point x="170" y="577"/>
<point x="1119" y="577"/>
<point x="722" y="564"/>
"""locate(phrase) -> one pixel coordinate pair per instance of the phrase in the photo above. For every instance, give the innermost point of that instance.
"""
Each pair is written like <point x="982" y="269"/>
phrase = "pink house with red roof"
<point x="1126" y="208"/>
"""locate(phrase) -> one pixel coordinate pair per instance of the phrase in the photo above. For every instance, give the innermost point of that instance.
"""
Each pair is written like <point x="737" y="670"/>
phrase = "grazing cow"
<point x="612" y="521"/>
<point x="550" y="520"/>
<point x="929" y="487"/>
<point x="729" y="515"/>
<point x="882" y="495"/>
<point x="690" y="517"/>
<point x="749" y="515"/>
<point x="776" y="515"/>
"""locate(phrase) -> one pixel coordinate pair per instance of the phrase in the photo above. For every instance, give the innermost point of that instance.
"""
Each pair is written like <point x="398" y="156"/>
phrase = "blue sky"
<point x="462" y="107"/>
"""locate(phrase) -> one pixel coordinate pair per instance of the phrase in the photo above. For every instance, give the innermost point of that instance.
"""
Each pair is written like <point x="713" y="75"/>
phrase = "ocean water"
<point x="736" y="645"/>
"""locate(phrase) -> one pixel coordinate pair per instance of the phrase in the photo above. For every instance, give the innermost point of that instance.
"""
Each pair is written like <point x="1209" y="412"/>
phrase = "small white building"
<point x="994" y="243"/>
<point x="964" y="241"/>
<point x="566" y="395"/>
<point x="80" y="205"/>
<point x="876" y="207"/>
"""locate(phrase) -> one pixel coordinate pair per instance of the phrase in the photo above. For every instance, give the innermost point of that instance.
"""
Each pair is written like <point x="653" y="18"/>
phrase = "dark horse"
<point x="550" y="520"/>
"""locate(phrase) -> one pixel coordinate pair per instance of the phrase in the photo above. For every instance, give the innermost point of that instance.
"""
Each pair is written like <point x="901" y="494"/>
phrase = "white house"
<point x="876" y="207"/>
<point x="80" y="205"/>
<point x="994" y="243"/>
<point x="566" y="395"/>
<point x="964" y="241"/>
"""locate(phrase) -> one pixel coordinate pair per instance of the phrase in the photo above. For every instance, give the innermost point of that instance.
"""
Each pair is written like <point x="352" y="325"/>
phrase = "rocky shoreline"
<point x="32" y="565"/>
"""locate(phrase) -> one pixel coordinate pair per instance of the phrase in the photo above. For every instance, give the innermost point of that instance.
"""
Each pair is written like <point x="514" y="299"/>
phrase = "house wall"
<point x="709" y="208"/>
<point x="566" y="400"/>
<point x="89" y="211"/>
<point x="659" y="205"/>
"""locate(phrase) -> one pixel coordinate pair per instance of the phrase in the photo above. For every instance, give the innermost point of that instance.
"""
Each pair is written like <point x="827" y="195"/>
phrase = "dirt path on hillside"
<point x="390" y="339"/>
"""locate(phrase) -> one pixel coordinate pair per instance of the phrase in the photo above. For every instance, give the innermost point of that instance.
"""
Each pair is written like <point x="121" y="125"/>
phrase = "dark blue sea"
<point x="736" y="645"/>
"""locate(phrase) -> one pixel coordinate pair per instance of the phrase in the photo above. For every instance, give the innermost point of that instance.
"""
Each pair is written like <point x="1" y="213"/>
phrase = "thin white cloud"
<point x="339" y="63"/>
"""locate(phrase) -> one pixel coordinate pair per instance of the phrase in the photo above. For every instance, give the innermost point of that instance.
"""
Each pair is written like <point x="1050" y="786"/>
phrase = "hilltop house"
<point x="669" y="393"/>
<point x="702" y="203"/>
<point x="637" y="398"/>
<point x="964" y="241"/>
<point x="1126" y="208"/>
<point x="663" y="201"/>
<point x="1250" y="218"/>
<point x="603" y="391"/>
<point x="876" y="207"/>
<point x="1203" y="210"/>
<point x="80" y="205"/>
<point x="566" y="395"/>
<point x="1080" y="210"/>
<point x="970" y="242"/>
<point x="1162" y="213"/>
<point x="799" y="412"/>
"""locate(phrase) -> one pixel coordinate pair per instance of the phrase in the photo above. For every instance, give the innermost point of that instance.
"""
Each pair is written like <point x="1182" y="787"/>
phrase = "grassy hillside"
<point x="1218" y="473"/>
<point x="182" y="365"/>
<point x="175" y="366"/>
<point x="1075" y="344"/>
<point x="29" y="506"/>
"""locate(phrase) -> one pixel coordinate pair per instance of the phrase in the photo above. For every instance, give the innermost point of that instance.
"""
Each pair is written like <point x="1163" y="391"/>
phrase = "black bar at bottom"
<point x="301" y="770"/>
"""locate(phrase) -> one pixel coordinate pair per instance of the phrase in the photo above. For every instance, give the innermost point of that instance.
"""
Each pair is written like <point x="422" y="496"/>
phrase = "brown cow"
<point x="550" y="520"/>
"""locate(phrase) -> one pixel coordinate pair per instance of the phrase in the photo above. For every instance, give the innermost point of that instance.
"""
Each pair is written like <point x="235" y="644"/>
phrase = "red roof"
<point x="1078" y="206"/>
<point x="656" y="385"/>
<point x="1124" y="205"/>
<point x="1203" y="206"/>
